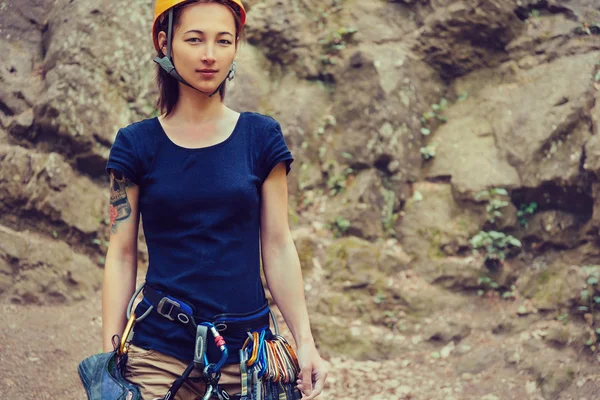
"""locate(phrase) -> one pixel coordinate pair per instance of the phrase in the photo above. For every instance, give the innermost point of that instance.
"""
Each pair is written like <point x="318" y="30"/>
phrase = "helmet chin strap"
<point x="167" y="64"/>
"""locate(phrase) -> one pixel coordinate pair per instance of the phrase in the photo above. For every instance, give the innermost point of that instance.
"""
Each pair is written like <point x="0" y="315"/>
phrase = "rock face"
<point x="468" y="35"/>
<point x="22" y="25"/>
<point x="443" y="148"/>
<point x="92" y="75"/>
<point x="41" y="270"/>
<point x="74" y="75"/>
<point x="42" y="185"/>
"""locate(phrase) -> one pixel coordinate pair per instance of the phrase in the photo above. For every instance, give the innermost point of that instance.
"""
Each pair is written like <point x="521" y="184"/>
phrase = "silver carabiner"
<point x="209" y="390"/>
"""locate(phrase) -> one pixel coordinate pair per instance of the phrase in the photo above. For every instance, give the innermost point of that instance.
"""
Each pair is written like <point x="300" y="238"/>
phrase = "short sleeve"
<point x="274" y="150"/>
<point x="123" y="157"/>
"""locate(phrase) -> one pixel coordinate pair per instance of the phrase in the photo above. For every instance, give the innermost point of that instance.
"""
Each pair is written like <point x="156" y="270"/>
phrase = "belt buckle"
<point x="172" y="303"/>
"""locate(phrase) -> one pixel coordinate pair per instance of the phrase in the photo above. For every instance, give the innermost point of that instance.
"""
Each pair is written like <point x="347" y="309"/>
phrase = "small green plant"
<point x="388" y="216"/>
<point x="327" y="8"/>
<point x="307" y="201"/>
<point x="99" y="242"/>
<point x="333" y="43"/>
<point x="534" y="14"/>
<point x="328" y="121"/>
<point x="428" y="152"/>
<point x="340" y="226"/>
<point x="510" y="293"/>
<point x="524" y="210"/>
<point x="564" y="318"/>
<point x="495" y="244"/>
<point x="379" y="297"/>
<point x="495" y="202"/>
<point x="487" y="283"/>
<point x="431" y="118"/>
<point x="337" y="183"/>
<point x="327" y="60"/>
<point x="463" y="96"/>
<point x="436" y="112"/>
<point x="590" y="298"/>
<point x="590" y="295"/>
<point x="336" y="41"/>
<point x="491" y="192"/>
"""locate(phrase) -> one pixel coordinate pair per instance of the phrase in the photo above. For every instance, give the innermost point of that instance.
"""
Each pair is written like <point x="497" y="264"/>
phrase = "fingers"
<point x="319" y="384"/>
<point x="320" y="376"/>
<point x="306" y="373"/>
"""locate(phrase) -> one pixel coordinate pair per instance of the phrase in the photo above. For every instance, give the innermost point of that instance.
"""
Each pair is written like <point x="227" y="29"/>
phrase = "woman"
<point x="211" y="186"/>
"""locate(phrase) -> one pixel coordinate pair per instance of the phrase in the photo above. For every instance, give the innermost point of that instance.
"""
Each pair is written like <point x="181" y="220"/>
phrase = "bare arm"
<point x="284" y="278"/>
<point x="120" y="268"/>
<point x="280" y="258"/>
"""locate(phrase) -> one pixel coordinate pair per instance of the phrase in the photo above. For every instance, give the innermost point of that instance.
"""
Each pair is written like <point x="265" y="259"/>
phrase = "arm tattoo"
<point x="119" y="208"/>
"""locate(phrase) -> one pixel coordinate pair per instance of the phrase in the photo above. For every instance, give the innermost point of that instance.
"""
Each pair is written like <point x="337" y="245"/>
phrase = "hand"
<point x="312" y="370"/>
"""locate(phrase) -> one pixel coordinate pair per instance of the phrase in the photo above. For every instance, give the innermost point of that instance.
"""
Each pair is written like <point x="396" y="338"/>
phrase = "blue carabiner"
<point x="213" y="368"/>
<point x="262" y="355"/>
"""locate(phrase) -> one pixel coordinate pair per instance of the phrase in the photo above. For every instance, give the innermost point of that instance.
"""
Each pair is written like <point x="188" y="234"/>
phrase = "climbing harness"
<point x="176" y="310"/>
<point x="269" y="365"/>
<point x="166" y="62"/>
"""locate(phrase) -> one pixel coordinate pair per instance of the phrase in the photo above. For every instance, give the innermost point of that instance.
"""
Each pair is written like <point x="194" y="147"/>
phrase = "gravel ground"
<point x="42" y="345"/>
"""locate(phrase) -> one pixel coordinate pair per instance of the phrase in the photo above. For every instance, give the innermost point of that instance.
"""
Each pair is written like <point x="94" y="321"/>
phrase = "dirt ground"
<point x="42" y="345"/>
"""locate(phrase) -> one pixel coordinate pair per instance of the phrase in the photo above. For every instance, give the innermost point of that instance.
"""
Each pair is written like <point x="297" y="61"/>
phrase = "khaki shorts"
<point x="154" y="373"/>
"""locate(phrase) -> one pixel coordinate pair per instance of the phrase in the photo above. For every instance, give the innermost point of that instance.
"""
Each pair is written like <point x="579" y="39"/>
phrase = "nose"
<point x="208" y="56"/>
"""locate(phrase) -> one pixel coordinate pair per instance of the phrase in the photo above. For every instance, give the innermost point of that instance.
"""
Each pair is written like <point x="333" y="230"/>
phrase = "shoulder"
<point x="142" y="135"/>
<point x="137" y="130"/>
<point x="139" y="137"/>
<point x="260" y="123"/>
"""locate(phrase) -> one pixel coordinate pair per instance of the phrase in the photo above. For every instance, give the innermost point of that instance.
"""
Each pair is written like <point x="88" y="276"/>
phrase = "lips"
<point x="207" y="73"/>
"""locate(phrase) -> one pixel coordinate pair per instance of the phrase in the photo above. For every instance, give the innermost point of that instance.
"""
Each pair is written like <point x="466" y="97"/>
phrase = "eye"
<point x="193" y="40"/>
<point x="224" y="41"/>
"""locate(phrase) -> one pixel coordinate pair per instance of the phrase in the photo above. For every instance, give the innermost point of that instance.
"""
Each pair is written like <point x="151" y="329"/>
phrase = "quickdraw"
<point x="269" y="368"/>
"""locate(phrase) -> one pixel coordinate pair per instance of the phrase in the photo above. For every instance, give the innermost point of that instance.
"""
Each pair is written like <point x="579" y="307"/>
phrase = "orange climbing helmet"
<point x="161" y="6"/>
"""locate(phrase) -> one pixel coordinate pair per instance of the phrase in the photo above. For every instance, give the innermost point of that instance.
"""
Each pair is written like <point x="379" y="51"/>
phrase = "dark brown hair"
<point x="168" y="86"/>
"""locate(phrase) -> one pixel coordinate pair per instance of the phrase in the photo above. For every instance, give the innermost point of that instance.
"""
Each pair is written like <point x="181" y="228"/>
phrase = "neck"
<point x="195" y="107"/>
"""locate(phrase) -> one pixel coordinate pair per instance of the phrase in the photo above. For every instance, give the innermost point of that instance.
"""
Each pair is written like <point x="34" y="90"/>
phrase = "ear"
<point x="162" y="42"/>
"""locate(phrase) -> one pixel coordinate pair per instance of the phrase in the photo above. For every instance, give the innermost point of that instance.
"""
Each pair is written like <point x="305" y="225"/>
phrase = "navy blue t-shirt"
<point x="200" y="211"/>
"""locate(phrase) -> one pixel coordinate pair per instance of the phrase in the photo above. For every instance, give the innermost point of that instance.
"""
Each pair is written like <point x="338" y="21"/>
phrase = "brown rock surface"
<point x="43" y="271"/>
<point x="92" y="88"/>
<point x="504" y="92"/>
<point x="43" y="185"/>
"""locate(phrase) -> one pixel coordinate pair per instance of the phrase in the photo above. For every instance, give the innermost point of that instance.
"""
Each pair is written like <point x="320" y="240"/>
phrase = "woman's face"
<point x="204" y="44"/>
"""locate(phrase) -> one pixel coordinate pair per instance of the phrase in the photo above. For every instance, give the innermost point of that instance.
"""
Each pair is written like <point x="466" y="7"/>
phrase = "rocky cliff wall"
<point x="445" y="149"/>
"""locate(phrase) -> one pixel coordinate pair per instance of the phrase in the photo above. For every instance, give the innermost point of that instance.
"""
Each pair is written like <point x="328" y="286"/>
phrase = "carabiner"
<point x="126" y="333"/>
<point x="255" y="345"/>
<point x="209" y="390"/>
